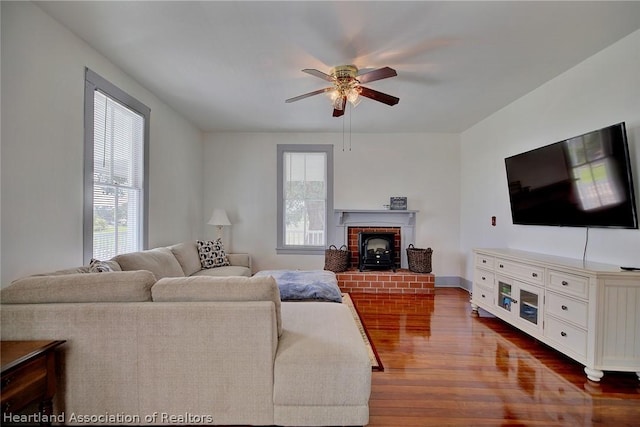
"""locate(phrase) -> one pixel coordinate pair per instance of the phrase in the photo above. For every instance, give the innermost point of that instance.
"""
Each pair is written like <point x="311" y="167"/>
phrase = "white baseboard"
<point x="453" y="282"/>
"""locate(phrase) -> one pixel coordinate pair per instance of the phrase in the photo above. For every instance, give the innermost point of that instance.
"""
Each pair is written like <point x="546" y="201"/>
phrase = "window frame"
<point x="94" y="82"/>
<point x="327" y="149"/>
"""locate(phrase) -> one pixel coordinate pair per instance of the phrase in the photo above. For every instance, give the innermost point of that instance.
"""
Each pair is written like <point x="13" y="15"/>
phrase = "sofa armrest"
<point x="241" y="260"/>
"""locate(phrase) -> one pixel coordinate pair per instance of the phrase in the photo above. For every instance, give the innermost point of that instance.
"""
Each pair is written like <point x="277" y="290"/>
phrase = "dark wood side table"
<point x="28" y="375"/>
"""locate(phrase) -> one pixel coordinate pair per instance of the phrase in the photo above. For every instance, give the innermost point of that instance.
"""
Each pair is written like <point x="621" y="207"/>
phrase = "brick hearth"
<point x="401" y="282"/>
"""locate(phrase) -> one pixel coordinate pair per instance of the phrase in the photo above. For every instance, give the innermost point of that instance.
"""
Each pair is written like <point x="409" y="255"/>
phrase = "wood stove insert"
<point x="376" y="251"/>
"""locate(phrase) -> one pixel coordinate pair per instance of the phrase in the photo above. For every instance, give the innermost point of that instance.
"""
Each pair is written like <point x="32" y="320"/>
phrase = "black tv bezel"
<point x="628" y="175"/>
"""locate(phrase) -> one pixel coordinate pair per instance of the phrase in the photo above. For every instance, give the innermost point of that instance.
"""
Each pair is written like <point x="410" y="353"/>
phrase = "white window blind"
<point x="305" y="195"/>
<point x="117" y="178"/>
<point x="305" y="198"/>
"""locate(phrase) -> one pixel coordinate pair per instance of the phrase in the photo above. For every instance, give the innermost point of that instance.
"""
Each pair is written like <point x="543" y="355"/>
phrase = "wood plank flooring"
<point x="445" y="367"/>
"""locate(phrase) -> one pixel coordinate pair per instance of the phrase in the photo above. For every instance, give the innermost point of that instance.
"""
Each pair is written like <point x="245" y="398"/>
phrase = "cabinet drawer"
<point x="24" y="385"/>
<point x="482" y="294"/>
<point x="566" y="308"/>
<point x="569" y="283"/>
<point x="528" y="272"/>
<point x="483" y="277"/>
<point x="567" y="336"/>
<point x="484" y="261"/>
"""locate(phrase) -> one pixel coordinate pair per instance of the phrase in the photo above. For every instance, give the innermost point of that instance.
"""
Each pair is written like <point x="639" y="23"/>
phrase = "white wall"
<point x="42" y="148"/>
<point x="240" y="176"/>
<point x="457" y="182"/>
<point x="603" y="90"/>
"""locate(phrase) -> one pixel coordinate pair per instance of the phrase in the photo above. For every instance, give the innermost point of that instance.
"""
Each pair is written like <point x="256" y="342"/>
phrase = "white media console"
<point x="587" y="311"/>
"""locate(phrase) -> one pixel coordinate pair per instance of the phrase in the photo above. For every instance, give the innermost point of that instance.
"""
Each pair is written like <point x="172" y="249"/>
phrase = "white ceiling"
<point x="229" y="66"/>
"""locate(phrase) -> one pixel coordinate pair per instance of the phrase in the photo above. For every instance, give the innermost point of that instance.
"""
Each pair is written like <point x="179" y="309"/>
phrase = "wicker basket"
<point x="336" y="260"/>
<point x="419" y="259"/>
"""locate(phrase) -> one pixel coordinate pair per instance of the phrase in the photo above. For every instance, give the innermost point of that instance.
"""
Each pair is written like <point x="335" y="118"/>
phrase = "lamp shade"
<point x="219" y="217"/>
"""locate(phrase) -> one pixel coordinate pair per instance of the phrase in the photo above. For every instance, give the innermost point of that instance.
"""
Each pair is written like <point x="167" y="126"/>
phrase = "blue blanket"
<point x="305" y="285"/>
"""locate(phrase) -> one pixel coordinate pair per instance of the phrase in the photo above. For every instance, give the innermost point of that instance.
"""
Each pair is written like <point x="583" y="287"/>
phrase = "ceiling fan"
<point x="347" y="82"/>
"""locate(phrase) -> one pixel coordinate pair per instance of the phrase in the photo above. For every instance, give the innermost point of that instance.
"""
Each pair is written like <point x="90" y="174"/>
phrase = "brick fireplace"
<point x="401" y="222"/>
<point x="352" y="239"/>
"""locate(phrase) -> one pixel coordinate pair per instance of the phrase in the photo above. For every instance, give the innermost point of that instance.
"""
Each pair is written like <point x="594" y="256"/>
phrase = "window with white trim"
<point x="116" y="141"/>
<point x="305" y="198"/>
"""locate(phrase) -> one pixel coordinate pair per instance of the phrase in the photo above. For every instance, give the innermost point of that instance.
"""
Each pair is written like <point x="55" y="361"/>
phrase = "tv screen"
<point x="583" y="181"/>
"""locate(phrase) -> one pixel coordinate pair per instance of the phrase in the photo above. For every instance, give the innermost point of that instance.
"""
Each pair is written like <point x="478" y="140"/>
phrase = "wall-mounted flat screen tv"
<point x="579" y="182"/>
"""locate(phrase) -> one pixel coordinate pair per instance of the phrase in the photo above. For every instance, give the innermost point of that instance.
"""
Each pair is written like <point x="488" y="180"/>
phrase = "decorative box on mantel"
<point x="403" y="219"/>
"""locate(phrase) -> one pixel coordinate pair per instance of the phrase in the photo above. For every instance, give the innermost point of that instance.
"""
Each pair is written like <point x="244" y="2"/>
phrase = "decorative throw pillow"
<point x="97" y="266"/>
<point x="212" y="254"/>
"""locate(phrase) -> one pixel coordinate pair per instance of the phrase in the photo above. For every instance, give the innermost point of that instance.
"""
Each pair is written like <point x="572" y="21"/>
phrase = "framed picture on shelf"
<point x="398" y="203"/>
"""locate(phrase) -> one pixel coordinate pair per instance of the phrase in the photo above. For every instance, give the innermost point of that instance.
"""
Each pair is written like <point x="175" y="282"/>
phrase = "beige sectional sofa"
<point x="180" y="260"/>
<point x="157" y="347"/>
<point x="177" y="260"/>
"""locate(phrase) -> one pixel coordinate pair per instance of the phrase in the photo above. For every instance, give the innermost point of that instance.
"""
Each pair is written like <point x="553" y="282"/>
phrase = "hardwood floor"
<point x="445" y="367"/>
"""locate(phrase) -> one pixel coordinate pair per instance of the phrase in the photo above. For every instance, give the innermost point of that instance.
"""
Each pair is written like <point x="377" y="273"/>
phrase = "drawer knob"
<point x="534" y="274"/>
<point x="564" y="307"/>
<point x="565" y="283"/>
<point x="484" y="261"/>
<point x="563" y="333"/>
<point x="483" y="296"/>
<point x="501" y="266"/>
<point x="484" y="278"/>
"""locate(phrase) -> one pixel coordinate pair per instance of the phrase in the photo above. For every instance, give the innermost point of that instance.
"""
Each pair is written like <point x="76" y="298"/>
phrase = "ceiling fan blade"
<point x="379" y="74"/>
<point x="306" y="95"/>
<point x="318" y="73"/>
<point x="378" y="96"/>
<point x="338" y="113"/>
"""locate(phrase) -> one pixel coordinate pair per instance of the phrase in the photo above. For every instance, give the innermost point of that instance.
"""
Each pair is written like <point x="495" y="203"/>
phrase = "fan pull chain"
<point x="343" y="133"/>
<point x="350" y="108"/>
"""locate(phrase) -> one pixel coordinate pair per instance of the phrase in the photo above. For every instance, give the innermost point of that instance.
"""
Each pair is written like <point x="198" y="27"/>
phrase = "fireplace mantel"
<point x="405" y="219"/>
<point x="384" y="216"/>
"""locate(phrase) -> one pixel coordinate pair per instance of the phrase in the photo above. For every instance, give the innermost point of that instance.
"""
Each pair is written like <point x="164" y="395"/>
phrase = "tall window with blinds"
<point x="305" y="197"/>
<point x="117" y="177"/>
<point x="115" y="151"/>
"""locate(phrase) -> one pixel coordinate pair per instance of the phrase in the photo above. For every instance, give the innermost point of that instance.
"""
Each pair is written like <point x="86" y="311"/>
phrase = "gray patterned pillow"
<point x="97" y="266"/>
<point x="212" y="254"/>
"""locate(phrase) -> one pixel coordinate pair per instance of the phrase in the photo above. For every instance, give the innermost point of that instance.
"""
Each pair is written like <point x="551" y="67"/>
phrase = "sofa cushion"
<point x="119" y="286"/>
<point x="322" y="344"/>
<point x="159" y="261"/>
<point x="187" y="255"/>
<point x="73" y="270"/>
<point x="114" y="266"/>
<point x="203" y="288"/>
<point x="212" y="253"/>
<point x="229" y="270"/>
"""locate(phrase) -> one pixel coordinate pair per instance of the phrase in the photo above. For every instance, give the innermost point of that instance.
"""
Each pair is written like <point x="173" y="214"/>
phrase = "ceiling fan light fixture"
<point x="353" y="96"/>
